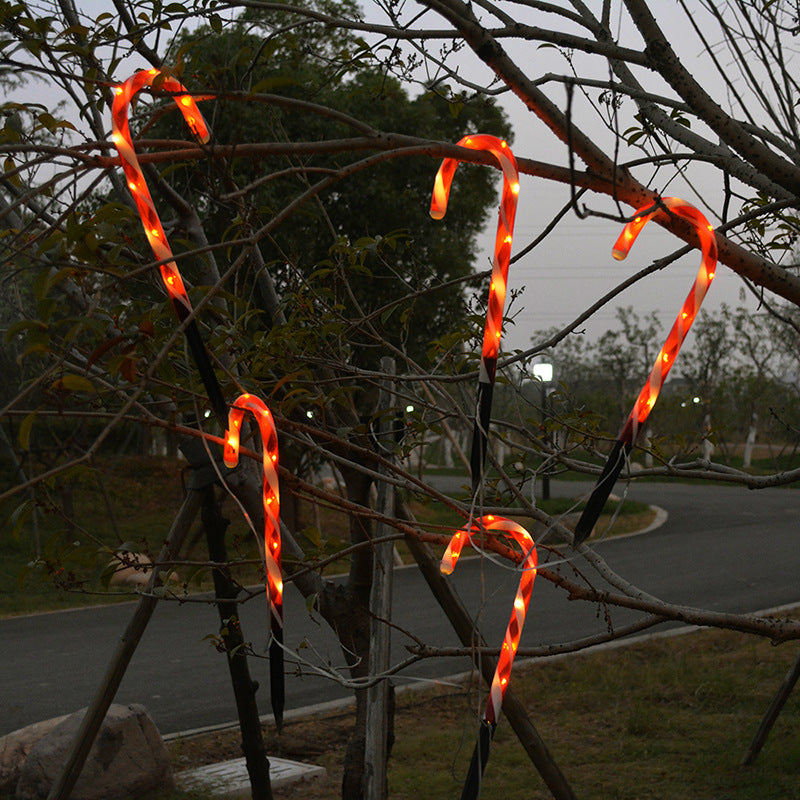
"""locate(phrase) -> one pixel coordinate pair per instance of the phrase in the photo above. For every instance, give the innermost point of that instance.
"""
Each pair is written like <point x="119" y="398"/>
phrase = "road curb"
<point x="662" y="515"/>
<point x="306" y="712"/>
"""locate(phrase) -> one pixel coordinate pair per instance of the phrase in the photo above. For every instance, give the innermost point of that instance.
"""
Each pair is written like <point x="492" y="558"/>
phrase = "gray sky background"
<point x="574" y="267"/>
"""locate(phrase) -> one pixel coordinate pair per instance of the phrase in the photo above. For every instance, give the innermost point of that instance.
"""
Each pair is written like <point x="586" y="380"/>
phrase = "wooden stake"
<point x="380" y="606"/>
<point x="772" y="713"/>
<point x="126" y="647"/>
<point x="244" y="687"/>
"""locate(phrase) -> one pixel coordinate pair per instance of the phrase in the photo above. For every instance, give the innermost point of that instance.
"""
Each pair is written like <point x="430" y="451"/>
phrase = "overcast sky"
<point x="574" y="267"/>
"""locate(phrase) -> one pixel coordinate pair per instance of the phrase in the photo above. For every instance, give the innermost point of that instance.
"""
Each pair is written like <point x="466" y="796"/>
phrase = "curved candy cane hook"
<point x="170" y="275"/>
<point x="121" y="136"/>
<point x="502" y="672"/>
<point x="666" y="356"/>
<point x="272" y="530"/>
<point x="497" y="291"/>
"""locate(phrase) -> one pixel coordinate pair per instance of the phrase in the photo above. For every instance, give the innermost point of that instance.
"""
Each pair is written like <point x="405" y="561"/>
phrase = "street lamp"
<point x="543" y="371"/>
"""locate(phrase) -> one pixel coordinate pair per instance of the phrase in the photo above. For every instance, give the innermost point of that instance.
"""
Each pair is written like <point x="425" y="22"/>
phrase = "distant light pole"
<point x="543" y="371"/>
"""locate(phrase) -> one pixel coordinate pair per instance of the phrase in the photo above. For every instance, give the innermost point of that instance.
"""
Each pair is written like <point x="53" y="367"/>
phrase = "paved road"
<point x="722" y="547"/>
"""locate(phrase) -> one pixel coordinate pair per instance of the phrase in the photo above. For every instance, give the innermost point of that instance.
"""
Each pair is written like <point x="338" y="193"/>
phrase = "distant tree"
<point x="625" y="355"/>
<point x="402" y="256"/>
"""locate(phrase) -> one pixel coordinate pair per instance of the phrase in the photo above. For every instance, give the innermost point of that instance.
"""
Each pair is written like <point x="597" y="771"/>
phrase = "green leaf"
<point x="24" y="325"/>
<point x="107" y="573"/>
<point x="269" y="84"/>
<point x="55" y="277"/>
<point x="10" y="166"/>
<point x="36" y="347"/>
<point x="20" y="516"/>
<point x="455" y="109"/>
<point x="312" y="534"/>
<point x="311" y="602"/>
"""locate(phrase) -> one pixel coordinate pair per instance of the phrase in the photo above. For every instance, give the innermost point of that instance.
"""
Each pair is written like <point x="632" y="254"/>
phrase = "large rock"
<point x="128" y="758"/>
<point x="14" y="749"/>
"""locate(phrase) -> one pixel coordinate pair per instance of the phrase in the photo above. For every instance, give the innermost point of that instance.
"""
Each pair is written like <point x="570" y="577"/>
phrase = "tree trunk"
<point x="751" y="440"/>
<point x="648" y="456"/>
<point x="244" y="687"/>
<point x="708" y="447"/>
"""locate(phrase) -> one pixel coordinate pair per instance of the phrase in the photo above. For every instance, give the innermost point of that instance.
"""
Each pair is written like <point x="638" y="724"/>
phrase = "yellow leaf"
<point x="25" y="430"/>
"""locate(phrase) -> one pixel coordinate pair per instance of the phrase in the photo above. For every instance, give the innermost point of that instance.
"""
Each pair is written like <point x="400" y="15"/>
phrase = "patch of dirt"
<point x="321" y="739"/>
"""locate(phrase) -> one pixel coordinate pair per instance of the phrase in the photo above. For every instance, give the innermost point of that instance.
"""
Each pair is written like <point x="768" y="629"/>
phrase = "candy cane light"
<point x="272" y="530"/>
<point x="154" y="231"/>
<point x="502" y="674"/>
<point x="497" y="290"/>
<point x="173" y="282"/>
<point x="666" y="356"/>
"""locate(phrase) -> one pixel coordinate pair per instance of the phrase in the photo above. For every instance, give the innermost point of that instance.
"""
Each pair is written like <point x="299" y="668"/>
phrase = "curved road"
<point x="724" y="548"/>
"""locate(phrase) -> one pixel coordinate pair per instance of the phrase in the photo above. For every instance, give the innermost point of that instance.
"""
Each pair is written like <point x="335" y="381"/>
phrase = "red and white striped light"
<point x="686" y="316"/>
<point x="506" y="527"/>
<point x="502" y="246"/>
<point x="271" y="493"/>
<point x="121" y="136"/>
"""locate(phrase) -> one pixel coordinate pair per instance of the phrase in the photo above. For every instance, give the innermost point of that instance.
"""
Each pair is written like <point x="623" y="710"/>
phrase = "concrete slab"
<point x="229" y="779"/>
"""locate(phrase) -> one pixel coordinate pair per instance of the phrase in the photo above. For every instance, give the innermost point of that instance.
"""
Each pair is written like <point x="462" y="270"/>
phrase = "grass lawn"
<point x="133" y="507"/>
<point x="667" y="719"/>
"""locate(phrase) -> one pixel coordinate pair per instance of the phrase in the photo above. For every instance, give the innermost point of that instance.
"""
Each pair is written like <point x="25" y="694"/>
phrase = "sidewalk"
<point x="229" y="779"/>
